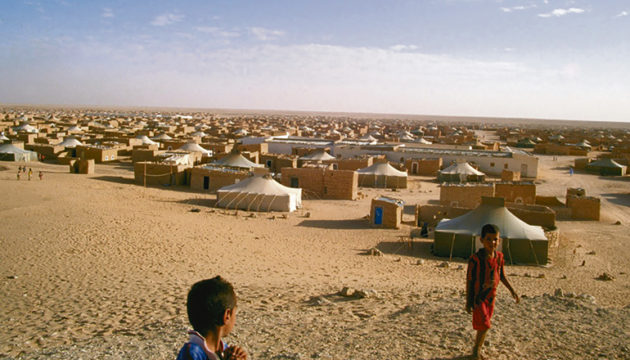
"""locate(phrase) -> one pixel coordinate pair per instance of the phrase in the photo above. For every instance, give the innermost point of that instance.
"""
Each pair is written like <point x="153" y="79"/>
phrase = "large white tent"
<point x="259" y="193"/>
<point x="10" y="152"/>
<point x="461" y="171"/>
<point x="320" y="155"/>
<point x="194" y="147"/>
<point x="382" y="174"/>
<point x="70" y="142"/>
<point x="236" y="160"/>
<point x="522" y="243"/>
<point x="145" y="140"/>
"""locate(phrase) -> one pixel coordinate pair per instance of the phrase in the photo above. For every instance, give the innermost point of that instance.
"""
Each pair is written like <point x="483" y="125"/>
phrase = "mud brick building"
<point x="516" y="192"/>
<point x="464" y="195"/>
<point x="423" y="167"/>
<point x="321" y="182"/>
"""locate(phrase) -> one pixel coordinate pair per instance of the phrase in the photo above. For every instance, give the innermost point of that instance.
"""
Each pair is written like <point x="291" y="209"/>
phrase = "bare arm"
<point x="470" y="283"/>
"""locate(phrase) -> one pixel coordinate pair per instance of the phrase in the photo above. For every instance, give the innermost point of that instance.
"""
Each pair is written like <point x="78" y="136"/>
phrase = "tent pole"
<point x="452" y="245"/>
<point x="532" y="247"/>
<point x="510" y="253"/>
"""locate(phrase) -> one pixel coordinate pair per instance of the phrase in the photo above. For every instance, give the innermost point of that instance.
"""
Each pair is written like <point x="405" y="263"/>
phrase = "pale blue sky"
<point x="541" y="58"/>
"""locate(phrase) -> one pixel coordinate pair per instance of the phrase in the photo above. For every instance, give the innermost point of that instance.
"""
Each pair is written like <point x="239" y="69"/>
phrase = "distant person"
<point x="19" y="168"/>
<point x="212" y="313"/>
<point x="485" y="270"/>
<point x="18" y="175"/>
<point x="41" y="175"/>
<point x="570" y="170"/>
<point x="30" y="173"/>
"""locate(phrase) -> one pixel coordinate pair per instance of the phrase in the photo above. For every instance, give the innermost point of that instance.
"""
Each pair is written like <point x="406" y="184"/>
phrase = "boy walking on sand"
<point x="212" y="313"/>
<point x="485" y="270"/>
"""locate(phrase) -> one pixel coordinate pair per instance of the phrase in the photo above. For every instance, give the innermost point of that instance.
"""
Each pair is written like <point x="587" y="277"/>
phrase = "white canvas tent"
<point x="259" y="193"/>
<point x="194" y="147"/>
<point x="521" y="243"/>
<point x="145" y="140"/>
<point x="10" y="152"/>
<point x="70" y="142"/>
<point x="382" y="175"/>
<point x="461" y="171"/>
<point x="236" y="161"/>
<point x="318" y="156"/>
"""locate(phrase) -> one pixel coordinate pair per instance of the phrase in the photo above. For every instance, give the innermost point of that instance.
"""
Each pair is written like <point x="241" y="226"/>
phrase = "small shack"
<point x="386" y="212"/>
<point x="521" y="243"/>
<point x="461" y="172"/>
<point x="382" y="175"/>
<point x="259" y="193"/>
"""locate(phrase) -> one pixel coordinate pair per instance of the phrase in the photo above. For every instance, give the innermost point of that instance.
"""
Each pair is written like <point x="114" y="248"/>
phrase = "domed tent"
<point x="145" y="140"/>
<point x="26" y="127"/>
<point x="319" y="155"/>
<point x="70" y="142"/>
<point x="606" y="166"/>
<point x="259" y="193"/>
<point x="236" y="160"/>
<point x="162" y="137"/>
<point x="461" y="172"/>
<point x="194" y="147"/>
<point x="382" y="175"/>
<point x="521" y="242"/>
<point x="10" y="152"/>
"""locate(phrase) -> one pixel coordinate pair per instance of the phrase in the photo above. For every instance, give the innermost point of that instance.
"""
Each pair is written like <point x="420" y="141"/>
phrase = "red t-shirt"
<point x="484" y="274"/>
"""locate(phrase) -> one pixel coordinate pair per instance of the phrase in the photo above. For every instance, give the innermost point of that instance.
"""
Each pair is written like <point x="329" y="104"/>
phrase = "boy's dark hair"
<point x="489" y="229"/>
<point x="207" y="301"/>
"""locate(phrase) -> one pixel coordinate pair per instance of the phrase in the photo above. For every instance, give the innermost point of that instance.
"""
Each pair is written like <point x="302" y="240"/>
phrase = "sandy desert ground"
<point x="97" y="267"/>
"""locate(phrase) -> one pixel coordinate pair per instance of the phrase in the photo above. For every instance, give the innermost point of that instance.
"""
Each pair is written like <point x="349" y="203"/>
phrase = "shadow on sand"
<point x="350" y="224"/>
<point x="115" y="179"/>
<point x="619" y="199"/>
<point x="205" y="202"/>
<point x="420" y="248"/>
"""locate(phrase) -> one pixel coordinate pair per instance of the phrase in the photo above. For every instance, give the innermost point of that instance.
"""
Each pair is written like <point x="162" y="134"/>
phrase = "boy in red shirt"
<point x="485" y="269"/>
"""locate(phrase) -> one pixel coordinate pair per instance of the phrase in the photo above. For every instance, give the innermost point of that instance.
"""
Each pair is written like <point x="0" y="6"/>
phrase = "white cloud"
<point x="216" y="31"/>
<point x="401" y="47"/>
<point x="107" y="13"/>
<point x="517" y="8"/>
<point x="561" y="12"/>
<point x="622" y="14"/>
<point x="266" y="34"/>
<point x="167" y="19"/>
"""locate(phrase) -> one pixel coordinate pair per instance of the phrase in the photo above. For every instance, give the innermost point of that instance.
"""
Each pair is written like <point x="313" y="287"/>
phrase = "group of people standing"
<point x="22" y="170"/>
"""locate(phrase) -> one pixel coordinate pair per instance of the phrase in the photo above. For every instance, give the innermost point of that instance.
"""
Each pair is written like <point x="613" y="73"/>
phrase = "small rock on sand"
<point x="444" y="264"/>
<point x="605" y="277"/>
<point x="375" y="252"/>
<point x="559" y="292"/>
<point x="347" y="292"/>
<point x="195" y="210"/>
<point x="591" y="253"/>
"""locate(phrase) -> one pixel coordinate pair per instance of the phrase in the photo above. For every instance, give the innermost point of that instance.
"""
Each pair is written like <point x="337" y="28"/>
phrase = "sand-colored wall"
<point x="584" y="207"/>
<point x="340" y="184"/>
<point x="509" y="175"/>
<point x="353" y="164"/>
<point x="321" y="183"/>
<point x="467" y="196"/>
<point x="520" y="193"/>
<point x="581" y="163"/>
<point x="423" y="167"/>
<point x="98" y="154"/>
<point x="143" y="155"/>
<point x="261" y="148"/>
<point x="159" y="174"/>
<point x="278" y="162"/>
<point x="217" y="178"/>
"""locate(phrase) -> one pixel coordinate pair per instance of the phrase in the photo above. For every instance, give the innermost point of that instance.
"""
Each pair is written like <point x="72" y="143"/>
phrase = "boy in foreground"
<point x="212" y="313"/>
<point x="485" y="269"/>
